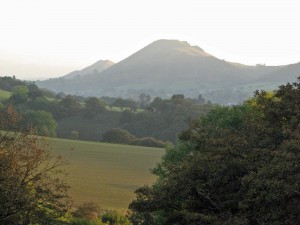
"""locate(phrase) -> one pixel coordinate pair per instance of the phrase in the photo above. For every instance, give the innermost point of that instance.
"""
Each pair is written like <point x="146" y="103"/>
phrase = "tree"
<point x="239" y="165"/>
<point x="119" y="136"/>
<point x="69" y="106"/>
<point x="149" y="142"/>
<point x="126" y="117"/>
<point x="114" y="218"/>
<point x="125" y="103"/>
<point x="41" y="121"/>
<point x="88" y="210"/>
<point x="32" y="189"/>
<point x="34" y="92"/>
<point x="144" y="100"/>
<point x="89" y="213"/>
<point x="74" y="134"/>
<point x="157" y="101"/>
<point x="8" y="83"/>
<point x="178" y="98"/>
<point x="20" y="94"/>
<point x="94" y="106"/>
<point x="200" y="99"/>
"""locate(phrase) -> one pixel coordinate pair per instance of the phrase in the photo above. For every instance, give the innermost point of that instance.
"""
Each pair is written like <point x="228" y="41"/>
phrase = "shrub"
<point x="119" y="136"/>
<point x="87" y="210"/>
<point x="114" y="218"/>
<point x="149" y="142"/>
<point x="84" y="221"/>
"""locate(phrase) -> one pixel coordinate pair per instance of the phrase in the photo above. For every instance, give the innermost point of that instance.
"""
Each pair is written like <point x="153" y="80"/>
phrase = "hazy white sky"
<point x="49" y="38"/>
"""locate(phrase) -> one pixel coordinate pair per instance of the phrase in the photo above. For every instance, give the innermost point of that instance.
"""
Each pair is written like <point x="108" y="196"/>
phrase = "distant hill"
<point x="163" y="68"/>
<point x="171" y="66"/>
<point x="97" y="67"/>
<point x="284" y="74"/>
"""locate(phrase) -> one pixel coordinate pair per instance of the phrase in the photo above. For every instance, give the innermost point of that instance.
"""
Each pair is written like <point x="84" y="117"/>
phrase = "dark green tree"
<point x="8" y="83"/>
<point x="34" y="92"/>
<point x="239" y="165"/>
<point x="20" y="94"/>
<point x="117" y="135"/>
<point x="68" y="106"/>
<point x="125" y="103"/>
<point x="94" y="106"/>
<point x="114" y="218"/>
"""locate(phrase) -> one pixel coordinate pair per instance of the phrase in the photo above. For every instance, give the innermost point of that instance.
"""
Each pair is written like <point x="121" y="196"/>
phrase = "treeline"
<point x="153" y="121"/>
<point x="120" y="136"/>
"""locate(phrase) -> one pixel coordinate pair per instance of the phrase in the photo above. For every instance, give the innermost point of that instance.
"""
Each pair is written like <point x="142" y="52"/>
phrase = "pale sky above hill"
<point x="49" y="38"/>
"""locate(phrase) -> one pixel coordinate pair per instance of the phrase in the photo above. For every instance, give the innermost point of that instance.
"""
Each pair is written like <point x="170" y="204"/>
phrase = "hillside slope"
<point x="169" y="66"/>
<point x="97" y="67"/>
<point x="285" y="74"/>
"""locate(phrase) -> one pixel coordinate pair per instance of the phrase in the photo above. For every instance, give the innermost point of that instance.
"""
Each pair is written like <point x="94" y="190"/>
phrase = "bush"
<point x="149" y="142"/>
<point x="119" y="136"/>
<point x="83" y="221"/>
<point x="87" y="210"/>
<point x="114" y="218"/>
<point x="74" y="135"/>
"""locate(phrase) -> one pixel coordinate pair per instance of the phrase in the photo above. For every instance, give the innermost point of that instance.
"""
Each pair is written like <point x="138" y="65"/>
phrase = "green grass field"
<point x="106" y="174"/>
<point x="4" y="95"/>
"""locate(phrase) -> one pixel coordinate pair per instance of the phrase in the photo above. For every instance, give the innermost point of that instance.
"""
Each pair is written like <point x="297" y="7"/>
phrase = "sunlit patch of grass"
<point x="4" y="95"/>
<point x="104" y="173"/>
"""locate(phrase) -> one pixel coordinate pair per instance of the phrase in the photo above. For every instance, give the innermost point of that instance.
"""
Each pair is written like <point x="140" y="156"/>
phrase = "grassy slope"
<point x="4" y="95"/>
<point x="104" y="173"/>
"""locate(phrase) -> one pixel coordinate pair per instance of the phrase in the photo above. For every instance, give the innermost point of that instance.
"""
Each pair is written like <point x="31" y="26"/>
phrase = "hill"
<point x="169" y="66"/>
<point x="284" y="74"/>
<point x="97" y="67"/>
<point x="163" y="68"/>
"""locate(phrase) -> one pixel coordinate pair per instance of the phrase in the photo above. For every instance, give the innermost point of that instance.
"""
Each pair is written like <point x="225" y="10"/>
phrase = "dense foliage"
<point x="120" y="136"/>
<point x="238" y="165"/>
<point x="89" y="213"/>
<point x="88" y="118"/>
<point x="32" y="188"/>
<point x="164" y="118"/>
